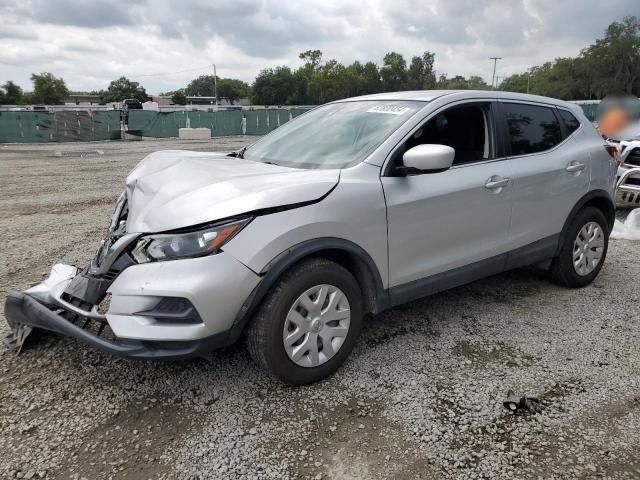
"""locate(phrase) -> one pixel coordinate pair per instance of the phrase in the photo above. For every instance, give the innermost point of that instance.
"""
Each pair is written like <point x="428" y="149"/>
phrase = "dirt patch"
<point x="354" y="441"/>
<point x="480" y="355"/>
<point x="131" y="443"/>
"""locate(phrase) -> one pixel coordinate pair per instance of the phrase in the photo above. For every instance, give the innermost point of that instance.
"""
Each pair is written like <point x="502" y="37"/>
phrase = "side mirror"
<point x="428" y="158"/>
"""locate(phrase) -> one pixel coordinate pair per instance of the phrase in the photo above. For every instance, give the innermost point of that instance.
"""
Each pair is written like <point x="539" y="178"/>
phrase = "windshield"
<point x="337" y="135"/>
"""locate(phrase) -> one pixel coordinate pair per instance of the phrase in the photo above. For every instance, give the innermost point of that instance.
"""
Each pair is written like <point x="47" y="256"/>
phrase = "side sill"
<point x="535" y="252"/>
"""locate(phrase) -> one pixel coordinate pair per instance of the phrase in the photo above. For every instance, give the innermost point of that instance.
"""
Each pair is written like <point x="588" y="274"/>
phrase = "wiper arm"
<point x="239" y="153"/>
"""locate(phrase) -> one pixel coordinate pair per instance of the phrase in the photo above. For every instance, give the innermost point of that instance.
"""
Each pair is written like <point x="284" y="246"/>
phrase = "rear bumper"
<point x="23" y="309"/>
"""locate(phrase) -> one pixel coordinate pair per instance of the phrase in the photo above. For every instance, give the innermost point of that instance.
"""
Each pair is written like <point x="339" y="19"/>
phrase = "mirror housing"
<point x="428" y="158"/>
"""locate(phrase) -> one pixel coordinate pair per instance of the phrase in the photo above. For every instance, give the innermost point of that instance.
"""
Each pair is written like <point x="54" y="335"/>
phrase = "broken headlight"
<point x="171" y="246"/>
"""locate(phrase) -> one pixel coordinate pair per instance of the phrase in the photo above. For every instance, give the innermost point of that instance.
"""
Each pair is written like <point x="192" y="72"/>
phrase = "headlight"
<point x="171" y="246"/>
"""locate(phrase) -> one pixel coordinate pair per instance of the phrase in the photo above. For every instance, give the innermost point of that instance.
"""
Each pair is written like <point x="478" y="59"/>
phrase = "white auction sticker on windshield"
<point x="390" y="109"/>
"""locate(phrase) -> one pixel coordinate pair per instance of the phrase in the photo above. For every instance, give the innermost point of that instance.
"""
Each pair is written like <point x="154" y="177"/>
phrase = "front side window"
<point x="337" y="135"/>
<point x="532" y="129"/>
<point x="465" y="128"/>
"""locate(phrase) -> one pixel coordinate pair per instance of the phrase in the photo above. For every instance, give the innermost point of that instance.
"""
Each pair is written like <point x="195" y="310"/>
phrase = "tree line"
<point x="47" y="89"/>
<point x="610" y="65"/>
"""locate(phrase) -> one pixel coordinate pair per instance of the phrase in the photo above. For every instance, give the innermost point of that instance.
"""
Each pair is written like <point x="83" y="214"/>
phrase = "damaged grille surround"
<point x="88" y="288"/>
<point x="116" y="241"/>
<point x="83" y="300"/>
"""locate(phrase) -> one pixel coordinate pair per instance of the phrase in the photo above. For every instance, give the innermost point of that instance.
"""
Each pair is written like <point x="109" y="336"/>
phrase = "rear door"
<point x="550" y="170"/>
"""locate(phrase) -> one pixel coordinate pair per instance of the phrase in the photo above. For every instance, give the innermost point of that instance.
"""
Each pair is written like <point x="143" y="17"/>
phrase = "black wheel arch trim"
<point x="588" y="197"/>
<point x="288" y="258"/>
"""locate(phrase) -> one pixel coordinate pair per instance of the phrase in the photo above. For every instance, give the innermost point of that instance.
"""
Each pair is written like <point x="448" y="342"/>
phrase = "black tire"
<point x="264" y="335"/>
<point x="562" y="269"/>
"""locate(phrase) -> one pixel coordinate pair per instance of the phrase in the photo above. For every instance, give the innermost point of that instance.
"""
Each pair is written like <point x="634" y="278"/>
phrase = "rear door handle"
<point x="496" y="182"/>
<point x="575" y="167"/>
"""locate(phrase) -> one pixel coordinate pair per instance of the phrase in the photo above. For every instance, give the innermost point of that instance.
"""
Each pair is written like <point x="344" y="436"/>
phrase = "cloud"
<point x="92" y="42"/>
<point x="83" y="13"/>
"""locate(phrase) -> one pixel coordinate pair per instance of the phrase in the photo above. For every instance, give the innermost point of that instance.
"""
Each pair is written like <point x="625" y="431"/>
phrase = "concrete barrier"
<point x="194" y="133"/>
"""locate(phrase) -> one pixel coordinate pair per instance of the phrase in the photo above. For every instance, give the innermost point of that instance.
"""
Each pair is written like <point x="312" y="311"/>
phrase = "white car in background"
<point x="628" y="182"/>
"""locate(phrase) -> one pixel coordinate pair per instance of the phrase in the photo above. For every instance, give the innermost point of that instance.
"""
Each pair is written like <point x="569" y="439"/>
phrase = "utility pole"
<point x="528" y="80"/>
<point x="215" y="85"/>
<point x="493" y="77"/>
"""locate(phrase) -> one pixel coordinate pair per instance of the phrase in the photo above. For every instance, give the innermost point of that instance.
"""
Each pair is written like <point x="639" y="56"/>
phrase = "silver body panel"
<point x="175" y="189"/>
<point x="442" y="221"/>
<point x="354" y="211"/>
<point x="410" y="228"/>
<point x="216" y="285"/>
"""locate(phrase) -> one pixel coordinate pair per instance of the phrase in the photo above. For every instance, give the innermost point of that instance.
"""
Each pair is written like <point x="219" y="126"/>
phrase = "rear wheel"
<point x="583" y="251"/>
<point x="308" y="324"/>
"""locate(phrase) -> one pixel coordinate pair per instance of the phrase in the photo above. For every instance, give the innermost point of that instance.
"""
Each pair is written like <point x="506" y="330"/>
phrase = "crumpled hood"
<point x="175" y="188"/>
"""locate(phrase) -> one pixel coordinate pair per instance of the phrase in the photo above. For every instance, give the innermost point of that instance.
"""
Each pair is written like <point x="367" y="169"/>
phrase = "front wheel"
<point x="308" y="324"/>
<point x="583" y="251"/>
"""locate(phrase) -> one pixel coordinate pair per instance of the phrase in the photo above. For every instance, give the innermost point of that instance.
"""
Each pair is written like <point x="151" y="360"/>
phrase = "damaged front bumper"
<point x="70" y="302"/>
<point x="166" y="309"/>
<point x="24" y="312"/>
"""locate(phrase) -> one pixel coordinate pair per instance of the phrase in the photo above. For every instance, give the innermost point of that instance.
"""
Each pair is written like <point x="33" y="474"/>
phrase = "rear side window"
<point x="571" y="122"/>
<point x="532" y="129"/>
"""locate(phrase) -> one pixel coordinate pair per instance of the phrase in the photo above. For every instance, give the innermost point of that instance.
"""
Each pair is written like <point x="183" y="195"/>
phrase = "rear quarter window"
<point x="571" y="122"/>
<point x="531" y="128"/>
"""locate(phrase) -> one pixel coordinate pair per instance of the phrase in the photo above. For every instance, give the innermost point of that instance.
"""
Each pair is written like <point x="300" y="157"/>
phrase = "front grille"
<point x="76" y="302"/>
<point x="111" y="275"/>
<point x="94" y="327"/>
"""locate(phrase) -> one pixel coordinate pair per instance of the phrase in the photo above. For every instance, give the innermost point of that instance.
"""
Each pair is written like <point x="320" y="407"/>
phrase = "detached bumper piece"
<point x="16" y="338"/>
<point x="628" y="188"/>
<point x="24" y="312"/>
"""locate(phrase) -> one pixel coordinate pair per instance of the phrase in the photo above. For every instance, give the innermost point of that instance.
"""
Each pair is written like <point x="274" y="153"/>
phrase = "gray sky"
<point x="90" y="42"/>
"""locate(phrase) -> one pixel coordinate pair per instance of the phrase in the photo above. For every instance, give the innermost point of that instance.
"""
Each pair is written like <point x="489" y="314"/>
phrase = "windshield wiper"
<point x="239" y="153"/>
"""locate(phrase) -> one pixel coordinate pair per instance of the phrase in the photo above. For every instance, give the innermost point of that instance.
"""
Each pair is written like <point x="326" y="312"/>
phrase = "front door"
<point x="447" y="228"/>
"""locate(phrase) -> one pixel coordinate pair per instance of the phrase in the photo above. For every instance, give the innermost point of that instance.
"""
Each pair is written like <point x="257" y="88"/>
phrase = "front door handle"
<point x="496" y="182"/>
<point x="575" y="167"/>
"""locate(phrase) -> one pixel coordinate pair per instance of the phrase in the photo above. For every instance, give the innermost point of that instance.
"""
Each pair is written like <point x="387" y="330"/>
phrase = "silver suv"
<point x="355" y="207"/>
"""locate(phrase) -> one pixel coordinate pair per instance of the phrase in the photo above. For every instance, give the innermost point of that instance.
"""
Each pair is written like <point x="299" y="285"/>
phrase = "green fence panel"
<point x="273" y="117"/>
<point x="167" y="124"/>
<point x="228" y="122"/>
<point x="283" y="116"/>
<point x="139" y="120"/>
<point x="107" y="125"/>
<point x="8" y="127"/>
<point x="251" y="119"/>
<point x="61" y="126"/>
<point x="298" y="111"/>
<point x="256" y="122"/>
<point x="85" y="125"/>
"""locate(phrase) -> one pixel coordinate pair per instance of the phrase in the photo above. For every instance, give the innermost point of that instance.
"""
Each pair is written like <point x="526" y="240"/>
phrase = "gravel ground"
<point x="420" y="397"/>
